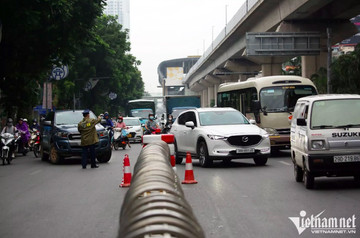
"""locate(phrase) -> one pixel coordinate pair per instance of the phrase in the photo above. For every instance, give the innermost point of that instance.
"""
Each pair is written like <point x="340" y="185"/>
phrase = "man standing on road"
<point x="89" y="138"/>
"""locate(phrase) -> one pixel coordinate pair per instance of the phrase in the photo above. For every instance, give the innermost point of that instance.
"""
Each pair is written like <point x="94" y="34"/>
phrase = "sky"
<point x="162" y="30"/>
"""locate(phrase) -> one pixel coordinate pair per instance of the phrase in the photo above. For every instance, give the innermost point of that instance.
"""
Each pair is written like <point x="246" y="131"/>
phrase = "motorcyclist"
<point x="151" y="125"/>
<point x="108" y="124"/>
<point x="121" y="124"/>
<point x="34" y="125"/>
<point x="10" y="128"/>
<point x="168" y="124"/>
<point x="25" y="135"/>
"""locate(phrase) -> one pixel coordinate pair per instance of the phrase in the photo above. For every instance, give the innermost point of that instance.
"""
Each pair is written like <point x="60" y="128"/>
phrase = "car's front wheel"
<point x="178" y="158"/>
<point x="260" y="160"/>
<point x="203" y="155"/>
<point x="105" y="157"/>
<point x="298" y="173"/>
<point x="309" y="179"/>
<point x="55" y="158"/>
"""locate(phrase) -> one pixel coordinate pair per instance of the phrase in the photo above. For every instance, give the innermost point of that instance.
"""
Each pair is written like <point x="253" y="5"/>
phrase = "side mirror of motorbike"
<point x="103" y="121"/>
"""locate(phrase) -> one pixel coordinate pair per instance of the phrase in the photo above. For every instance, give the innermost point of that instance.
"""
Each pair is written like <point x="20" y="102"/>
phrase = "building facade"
<point x="121" y="9"/>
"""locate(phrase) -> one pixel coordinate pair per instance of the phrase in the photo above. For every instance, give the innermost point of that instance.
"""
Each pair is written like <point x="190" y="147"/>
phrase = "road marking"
<point x="35" y="172"/>
<point x="283" y="162"/>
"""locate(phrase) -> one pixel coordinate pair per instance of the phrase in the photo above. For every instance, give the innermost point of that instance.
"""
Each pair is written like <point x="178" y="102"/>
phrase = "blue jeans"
<point x="85" y="155"/>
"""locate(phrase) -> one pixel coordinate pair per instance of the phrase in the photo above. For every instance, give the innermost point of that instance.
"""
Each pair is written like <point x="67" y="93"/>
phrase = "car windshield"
<point x="132" y="122"/>
<point x="283" y="98"/>
<point x="211" y="118"/>
<point x="70" y="117"/>
<point x="142" y="113"/>
<point x="339" y="113"/>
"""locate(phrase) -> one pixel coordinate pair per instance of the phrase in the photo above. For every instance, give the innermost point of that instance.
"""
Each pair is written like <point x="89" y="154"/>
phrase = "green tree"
<point x="106" y="57"/>
<point x="35" y="35"/>
<point x="345" y="76"/>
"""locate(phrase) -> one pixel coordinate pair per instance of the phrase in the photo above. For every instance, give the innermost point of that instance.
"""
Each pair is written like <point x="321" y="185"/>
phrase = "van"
<point x="325" y="137"/>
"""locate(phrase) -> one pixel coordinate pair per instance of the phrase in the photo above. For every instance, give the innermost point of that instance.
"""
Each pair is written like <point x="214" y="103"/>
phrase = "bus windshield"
<point x="142" y="113"/>
<point x="283" y="98"/>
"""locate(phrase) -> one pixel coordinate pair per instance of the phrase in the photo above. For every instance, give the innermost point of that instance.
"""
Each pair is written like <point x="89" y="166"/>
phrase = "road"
<point x="39" y="199"/>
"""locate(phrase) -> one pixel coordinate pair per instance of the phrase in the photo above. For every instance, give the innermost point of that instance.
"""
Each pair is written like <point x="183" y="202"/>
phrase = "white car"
<point x="219" y="133"/>
<point x="134" y="128"/>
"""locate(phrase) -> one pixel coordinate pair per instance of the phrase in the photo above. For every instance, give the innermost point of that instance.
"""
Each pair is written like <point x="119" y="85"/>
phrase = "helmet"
<point x="20" y="119"/>
<point x="35" y="120"/>
<point x="9" y="122"/>
<point x="120" y="117"/>
<point x="106" y="114"/>
<point x="25" y="120"/>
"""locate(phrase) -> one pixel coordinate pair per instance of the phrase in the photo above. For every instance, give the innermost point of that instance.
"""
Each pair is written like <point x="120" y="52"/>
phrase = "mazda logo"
<point x="245" y="139"/>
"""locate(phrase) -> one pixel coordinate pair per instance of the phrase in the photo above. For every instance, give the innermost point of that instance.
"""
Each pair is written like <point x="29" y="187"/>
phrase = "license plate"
<point x="248" y="150"/>
<point x="346" y="158"/>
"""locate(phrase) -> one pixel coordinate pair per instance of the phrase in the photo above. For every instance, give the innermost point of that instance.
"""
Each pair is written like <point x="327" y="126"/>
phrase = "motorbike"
<point x="152" y="131"/>
<point x="35" y="142"/>
<point x="120" y="139"/>
<point x="8" y="144"/>
<point x="22" y="146"/>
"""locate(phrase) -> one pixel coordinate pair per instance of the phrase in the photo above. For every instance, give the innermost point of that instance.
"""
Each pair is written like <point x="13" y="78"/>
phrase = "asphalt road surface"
<point x="239" y="199"/>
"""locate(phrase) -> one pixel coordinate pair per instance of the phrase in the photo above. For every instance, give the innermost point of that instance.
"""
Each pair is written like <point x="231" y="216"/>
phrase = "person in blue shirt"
<point x="108" y="124"/>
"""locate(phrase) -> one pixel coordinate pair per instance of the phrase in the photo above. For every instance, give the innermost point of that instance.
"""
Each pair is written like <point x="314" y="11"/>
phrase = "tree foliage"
<point x="107" y="59"/>
<point x="36" y="34"/>
<point x="345" y="77"/>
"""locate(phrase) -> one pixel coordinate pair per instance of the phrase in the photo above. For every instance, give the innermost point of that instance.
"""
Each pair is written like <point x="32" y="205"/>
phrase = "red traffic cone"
<point x="189" y="173"/>
<point x="127" y="172"/>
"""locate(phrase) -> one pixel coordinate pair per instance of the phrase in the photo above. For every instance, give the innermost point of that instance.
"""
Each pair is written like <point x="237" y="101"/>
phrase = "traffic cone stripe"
<point x="188" y="166"/>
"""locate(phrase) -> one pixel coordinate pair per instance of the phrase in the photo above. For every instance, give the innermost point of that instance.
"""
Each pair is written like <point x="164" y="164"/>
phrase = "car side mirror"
<point x="301" y="122"/>
<point x="190" y="124"/>
<point x="252" y="121"/>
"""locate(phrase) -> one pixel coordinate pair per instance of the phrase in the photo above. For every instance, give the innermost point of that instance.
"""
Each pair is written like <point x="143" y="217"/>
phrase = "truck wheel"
<point x="44" y="156"/>
<point x="105" y="157"/>
<point x="260" y="161"/>
<point x="309" y="179"/>
<point x="55" y="158"/>
<point x="203" y="155"/>
<point x="298" y="173"/>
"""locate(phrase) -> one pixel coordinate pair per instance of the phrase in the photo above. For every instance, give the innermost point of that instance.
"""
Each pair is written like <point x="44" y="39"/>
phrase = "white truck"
<point x="325" y="137"/>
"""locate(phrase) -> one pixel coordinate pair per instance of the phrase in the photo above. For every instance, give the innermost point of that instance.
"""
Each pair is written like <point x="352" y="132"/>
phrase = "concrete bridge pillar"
<point x="204" y="96"/>
<point x="311" y="64"/>
<point x="271" y="69"/>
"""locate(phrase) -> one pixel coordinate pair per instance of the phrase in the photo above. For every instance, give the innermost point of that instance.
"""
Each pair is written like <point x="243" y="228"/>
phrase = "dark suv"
<point x="61" y="138"/>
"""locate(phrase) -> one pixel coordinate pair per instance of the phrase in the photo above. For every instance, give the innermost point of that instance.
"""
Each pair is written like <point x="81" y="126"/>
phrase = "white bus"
<point x="269" y="100"/>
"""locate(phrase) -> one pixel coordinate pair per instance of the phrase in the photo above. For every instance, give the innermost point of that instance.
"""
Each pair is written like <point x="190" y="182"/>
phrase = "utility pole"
<point x="329" y="59"/>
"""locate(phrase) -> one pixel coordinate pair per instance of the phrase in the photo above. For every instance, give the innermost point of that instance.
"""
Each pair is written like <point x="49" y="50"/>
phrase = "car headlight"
<point x="62" y="134"/>
<point x="318" y="145"/>
<point x="271" y="131"/>
<point x="217" y="137"/>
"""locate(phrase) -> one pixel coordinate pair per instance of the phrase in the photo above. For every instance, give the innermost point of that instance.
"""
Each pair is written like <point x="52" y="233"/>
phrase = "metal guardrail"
<point x="154" y="205"/>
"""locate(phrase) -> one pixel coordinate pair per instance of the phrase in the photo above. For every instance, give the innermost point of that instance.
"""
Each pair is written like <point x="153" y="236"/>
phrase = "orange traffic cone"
<point x="127" y="172"/>
<point x="189" y="173"/>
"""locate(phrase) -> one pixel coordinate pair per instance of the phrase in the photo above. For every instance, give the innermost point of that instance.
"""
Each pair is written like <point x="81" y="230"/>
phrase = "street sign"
<point x="112" y="96"/>
<point x="59" y="72"/>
